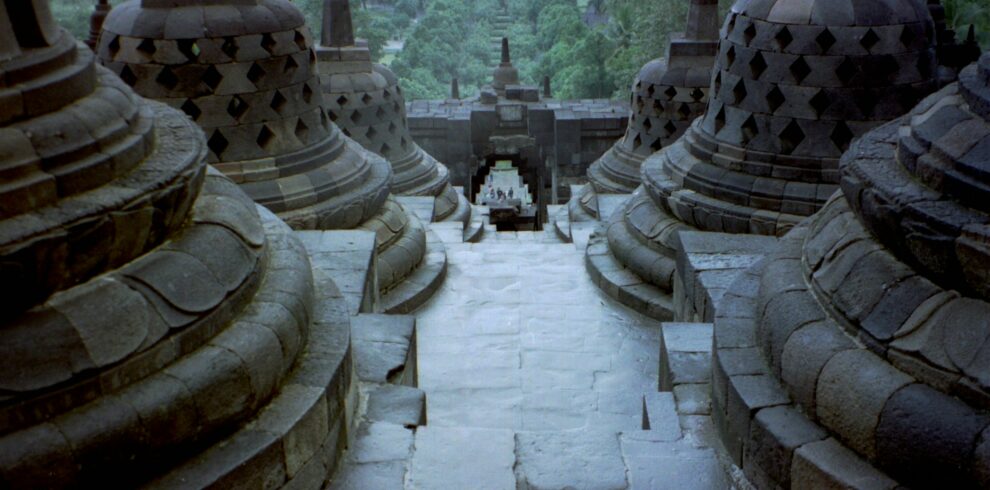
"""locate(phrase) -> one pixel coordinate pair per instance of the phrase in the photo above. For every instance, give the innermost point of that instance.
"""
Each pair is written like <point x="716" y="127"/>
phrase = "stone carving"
<point x="667" y="95"/>
<point x="155" y="320"/>
<point x="894" y="372"/>
<point x="794" y="84"/>
<point x="364" y="99"/>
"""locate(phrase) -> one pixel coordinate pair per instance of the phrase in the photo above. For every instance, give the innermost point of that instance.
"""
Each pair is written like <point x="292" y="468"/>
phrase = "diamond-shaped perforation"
<point x="639" y="103"/>
<point x="637" y="142"/>
<point x="739" y="91"/>
<point x="825" y="40"/>
<point x="386" y="150"/>
<point x="657" y="107"/>
<point x="820" y="102"/>
<point x="229" y="47"/>
<point x="784" y="37"/>
<point x="757" y="65"/>
<point x="657" y="145"/>
<point x="188" y="48"/>
<point x="190" y="108"/>
<point x="217" y="143"/>
<point x="302" y="131"/>
<point x="671" y="92"/>
<point x="775" y="98"/>
<point x="750" y="33"/>
<point x="166" y="78"/>
<point x="392" y="128"/>
<point x="404" y="143"/>
<point x="749" y="129"/>
<point x="908" y="36"/>
<point x="650" y="91"/>
<point x="846" y="70"/>
<point x="869" y="39"/>
<point x="717" y="84"/>
<point x="841" y="136"/>
<point x="730" y="57"/>
<point x="265" y="137"/>
<point x="278" y="102"/>
<point x="366" y="99"/>
<point x="697" y="94"/>
<point x="268" y="43"/>
<point x="128" y="76"/>
<point x="256" y="73"/>
<point x="720" y="120"/>
<point x="647" y="124"/>
<point x="730" y="25"/>
<point x="237" y="107"/>
<point x="386" y="94"/>
<point x="791" y="137"/>
<point x="356" y="117"/>
<point x="333" y="116"/>
<point x="800" y="69"/>
<point x="684" y="110"/>
<point x="866" y="101"/>
<point x="290" y="66"/>
<point x="300" y="40"/>
<point x="114" y="46"/>
<point x="670" y="128"/>
<point x="372" y="132"/>
<point x="307" y="93"/>
<point x="380" y="113"/>
<point x="212" y="77"/>
<point x="147" y="46"/>
<point x="342" y="101"/>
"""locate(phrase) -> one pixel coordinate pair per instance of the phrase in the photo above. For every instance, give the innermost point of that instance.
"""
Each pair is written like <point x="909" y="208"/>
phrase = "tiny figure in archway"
<point x="510" y="193"/>
<point x="501" y="195"/>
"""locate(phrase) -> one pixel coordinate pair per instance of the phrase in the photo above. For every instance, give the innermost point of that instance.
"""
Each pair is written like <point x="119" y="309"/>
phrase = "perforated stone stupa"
<point x="891" y="378"/>
<point x="667" y="95"/>
<point x="365" y="100"/>
<point x="246" y="72"/>
<point x="157" y="325"/>
<point x="795" y="82"/>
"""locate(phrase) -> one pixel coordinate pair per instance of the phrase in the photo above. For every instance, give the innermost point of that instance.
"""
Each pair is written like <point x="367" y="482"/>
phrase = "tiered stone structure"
<point x="245" y="71"/>
<point x="157" y="325"/>
<point x="667" y="95"/>
<point x="795" y="82"/>
<point x="365" y="100"/>
<point x="506" y="73"/>
<point x="855" y="355"/>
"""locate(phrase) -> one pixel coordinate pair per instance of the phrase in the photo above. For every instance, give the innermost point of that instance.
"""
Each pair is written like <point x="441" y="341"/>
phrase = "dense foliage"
<point x="446" y="39"/>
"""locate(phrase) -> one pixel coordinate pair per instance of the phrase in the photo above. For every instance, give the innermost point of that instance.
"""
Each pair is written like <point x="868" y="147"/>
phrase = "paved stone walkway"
<point x="535" y="379"/>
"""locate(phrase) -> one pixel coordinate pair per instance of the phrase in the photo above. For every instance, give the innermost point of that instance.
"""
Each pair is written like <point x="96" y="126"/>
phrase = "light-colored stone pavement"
<point x="519" y="342"/>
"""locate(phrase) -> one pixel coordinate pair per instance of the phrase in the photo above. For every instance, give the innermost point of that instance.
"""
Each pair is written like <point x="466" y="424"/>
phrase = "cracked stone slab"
<point x="453" y="457"/>
<point x="660" y="416"/>
<point x="381" y="345"/>
<point x="661" y="465"/>
<point x="397" y="404"/>
<point x="586" y="457"/>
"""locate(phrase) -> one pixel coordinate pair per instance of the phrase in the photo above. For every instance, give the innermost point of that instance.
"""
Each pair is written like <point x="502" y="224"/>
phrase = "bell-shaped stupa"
<point x="667" y="95"/>
<point x="154" y="317"/>
<point x="795" y="82"/>
<point x="868" y="328"/>
<point x="365" y="100"/>
<point x="246" y="72"/>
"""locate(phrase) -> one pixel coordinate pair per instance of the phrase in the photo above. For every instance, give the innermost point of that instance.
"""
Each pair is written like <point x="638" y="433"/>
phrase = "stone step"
<point x="347" y="256"/>
<point x="384" y="348"/>
<point x="663" y="465"/>
<point x="660" y="416"/>
<point x="420" y="206"/>
<point x="475" y="229"/>
<point x="686" y="365"/>
<point x="379" y="458"/>
<point x="560" y="219"/>
<point x="395" y="404"/>
<point x="622" y="284"/>
<point x="582" y="458"/>
<point x="455" y="457"/>
<point x="608" y="204"/>
<point x="416" y="289"/>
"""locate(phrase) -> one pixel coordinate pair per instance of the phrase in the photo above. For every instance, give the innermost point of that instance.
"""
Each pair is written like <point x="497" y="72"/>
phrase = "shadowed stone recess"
<point x="896" y="355"/>
<point x="166" y="325"/>
<point x="794" y="83"/>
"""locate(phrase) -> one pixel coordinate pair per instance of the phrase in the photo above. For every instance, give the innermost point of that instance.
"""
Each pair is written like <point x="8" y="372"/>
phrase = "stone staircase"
<point x="551" y="385"/>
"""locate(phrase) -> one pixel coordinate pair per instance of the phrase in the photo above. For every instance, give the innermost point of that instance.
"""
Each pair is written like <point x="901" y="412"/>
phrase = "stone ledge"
<point x="622" y="284"/>
<point x="418" y="288"/>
